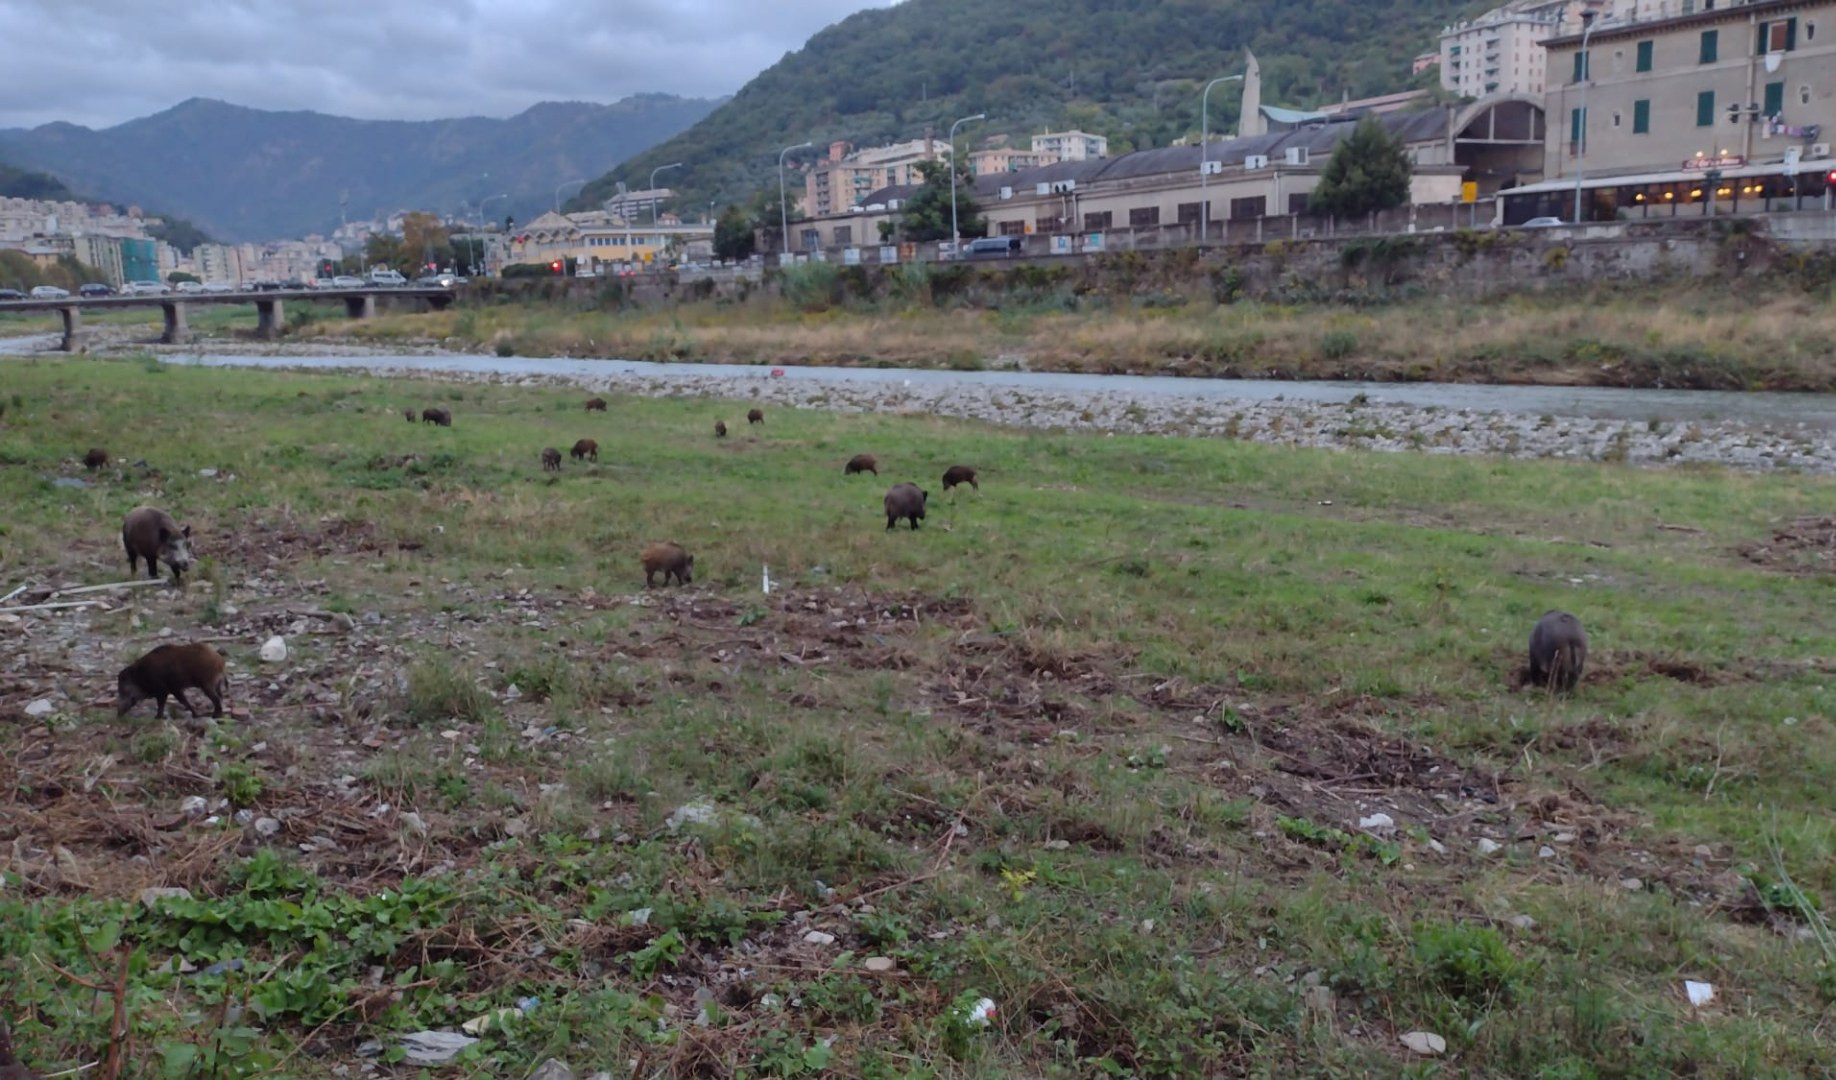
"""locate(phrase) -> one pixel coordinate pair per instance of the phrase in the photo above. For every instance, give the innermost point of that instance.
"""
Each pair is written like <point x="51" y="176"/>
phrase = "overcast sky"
<point x="100" y="62"/>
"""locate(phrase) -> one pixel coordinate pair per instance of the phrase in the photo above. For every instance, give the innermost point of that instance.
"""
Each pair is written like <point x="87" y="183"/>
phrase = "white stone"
<point x="267" y="826"/>
<point x="40" y="708"/>
<point x="1488" y="846"/>
<point x="695" y="813"/>
<point x="1523" y="922"/>
<point x="880" y="964"/>
<point x="1378" y="823"/>
<point x="1545" y="852"/>
<point x="274" y="650"/>
<point x="817" y="937"/>
<point x="1426" y="1043"/>
<point x="194" y="805"/>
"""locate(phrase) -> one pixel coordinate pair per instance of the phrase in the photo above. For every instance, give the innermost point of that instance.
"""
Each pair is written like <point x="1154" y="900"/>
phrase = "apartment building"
<point x="1501" y="51"/>
<point x="596" y="240"/>
<point x="1005" y="159"/>
<point x="845" y="176"/>
<point x="1071" y="146"/>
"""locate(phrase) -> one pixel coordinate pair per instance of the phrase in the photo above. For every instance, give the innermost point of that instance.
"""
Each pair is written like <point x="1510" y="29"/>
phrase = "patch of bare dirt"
<point x="1806" y="546"/>
<point x="272" y="543"/>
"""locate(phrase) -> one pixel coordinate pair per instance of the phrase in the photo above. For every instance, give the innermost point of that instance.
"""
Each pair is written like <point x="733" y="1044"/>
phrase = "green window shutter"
<point x="1577" y="124"/>
<point x="1711" y="47"/>
<point x="1641" y="117"/>
<point x="1791" y="34"/>
<point x="1705" y="108"/>
<point x="1775" y="98"/>
<point x="1644" y="55"/>
<point x="1580" y="67"/>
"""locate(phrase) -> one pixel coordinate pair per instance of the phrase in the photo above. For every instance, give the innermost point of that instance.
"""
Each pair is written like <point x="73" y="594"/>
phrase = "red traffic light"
<point x="555" y="266"/>
<point x="1832" y="177"/>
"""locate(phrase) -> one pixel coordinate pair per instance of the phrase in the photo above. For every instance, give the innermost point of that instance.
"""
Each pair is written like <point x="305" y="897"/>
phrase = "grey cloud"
<point x="101" y="62"/>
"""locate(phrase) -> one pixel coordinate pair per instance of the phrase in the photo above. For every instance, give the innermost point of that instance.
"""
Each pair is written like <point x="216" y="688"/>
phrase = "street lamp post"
<point x="561" y="187"/>
<point x="956" y="240"/>
<point x="1587" y="72"/>
<point x="653" y="188"/>
<point x="1205" y="156"/>
<point x="783" y="214"/>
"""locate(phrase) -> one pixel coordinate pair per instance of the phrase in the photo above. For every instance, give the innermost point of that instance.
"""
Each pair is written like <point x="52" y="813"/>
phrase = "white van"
<point x="388" y="279"/>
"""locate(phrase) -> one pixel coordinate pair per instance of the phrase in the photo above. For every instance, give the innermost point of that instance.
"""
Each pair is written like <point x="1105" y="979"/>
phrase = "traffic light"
<point x="1831" y="178"/>
<point x="555" y="266"/>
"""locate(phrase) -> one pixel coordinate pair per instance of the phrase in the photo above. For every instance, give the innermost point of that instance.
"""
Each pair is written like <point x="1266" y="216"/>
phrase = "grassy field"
<point x="1094" y="743"/>
<point x="1668" y="335"/>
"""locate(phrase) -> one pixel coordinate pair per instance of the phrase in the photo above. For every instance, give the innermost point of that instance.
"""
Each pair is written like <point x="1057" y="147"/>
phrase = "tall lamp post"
<point x="955" y="240"/>
<point x="562" y="187"/>
<point x="783" y="214"/>
<point x="1587" y="73"/>
<point x="653" y="187"/>
<point x="1205" y="156"/>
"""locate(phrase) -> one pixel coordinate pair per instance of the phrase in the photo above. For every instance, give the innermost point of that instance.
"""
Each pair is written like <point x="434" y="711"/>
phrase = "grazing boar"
<point x="905" y="501"/>
<point x="720" y="429"/>
<point x="169" y="671"/>
<point x="597" y="404"/>
<point x="95" y="459"/>
<point x="151" y="534"/>
<point x="408" y="415"/>
<point x="551" y="459"/>
<point x="1558" y="651"/>
<point x="960" y="474"/>
<point x="585" y="449"/>
<point x="437" y="416"/>
<point x="669" y="560"/>
<point x="755" y="416"/>
<point x="861" y="463"/>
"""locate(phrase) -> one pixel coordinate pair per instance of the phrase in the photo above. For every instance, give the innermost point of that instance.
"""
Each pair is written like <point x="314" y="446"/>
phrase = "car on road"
<point x="347" y="281"/>
<point x="993" y="245"/>
<point x="1543" y="222"/>
<point x="95" y="288"/>
<point x="145" y="288"/>
<point x="388" y="279"/>
<point x="49" y="292"/>
<point x="296" y="283"/>
<point x="322" y="283"/>
<point x="440" y="280"/>
<point x="263" y="285"/>
<point x="219" y="287"/>
<point x="190" y="286"/>
<point x="11" y="294"/>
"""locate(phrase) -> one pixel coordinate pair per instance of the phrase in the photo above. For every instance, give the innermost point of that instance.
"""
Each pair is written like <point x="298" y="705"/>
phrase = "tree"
<point x="926" y="215"/>
<point x="733" y="237"/>
<point x="424" y="242"/>
<point x="1369" y="171"/>
<point x="178" y="277"/>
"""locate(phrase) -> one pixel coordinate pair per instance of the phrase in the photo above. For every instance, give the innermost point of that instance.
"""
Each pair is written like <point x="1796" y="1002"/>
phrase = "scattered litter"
<point x="207" y="473"/>
<point x="639" y="916"/>
<point x="433" y="1047"/>
<point x="1378" y="823"/>
<point x="552" y="1069"/>
<point x="40" y="708"/>
<point x="1631" y="884"/>
<point x="70" y="482"/>
<point x="1522" y="922"/>
<point x="496" y="1018"/>
<point x="1489" y="846"/>
<point x="1700" y="993"/>
<point x="1545" y="852"/>
<point x="194" y="806"/>
<point x="1426" y="1043"/>
<point x="981" y="1014"/>
<point x="151" y="897"/>
<point x="275" y="650"/>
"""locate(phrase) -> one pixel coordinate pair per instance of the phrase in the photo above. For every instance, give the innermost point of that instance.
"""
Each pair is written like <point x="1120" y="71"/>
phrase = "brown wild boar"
<point x="861" y="463"/>
<point x="755" y="416"/>
<point x="668" y="559"/>
<point x="720" y="429"/>
<point x="408" y="415"/>
<point x="960" y="474"/>
<point x="10" y="1068"/>
<point x="585" y="449"/>
<point x="151" y="534"/>
<point x="551" y="459"/>
<point x="169" y="671"/>
<point x="437" y="416"/>
<point x="597" y="404"/>
<point x="905" y="501"/>
<point x="95" y="459"/>
<point x="1558" y="651"/>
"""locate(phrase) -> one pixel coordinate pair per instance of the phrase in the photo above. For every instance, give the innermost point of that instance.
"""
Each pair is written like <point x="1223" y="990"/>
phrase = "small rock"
<point x="1437" y="847"/>
<point x="266" y="826"/>
<point x="414" y="822"/>
<point x="274" y="651"/>
<point x="1631" y="884"/>
<point x="194" y="805"/>
<point x="1562" y="838"/>
<point x="207" y="473"/>
<point x="1545" y="852"/>
<point x="1522" y="922"/>
<point x="1488" y="846"/>
<point x="150" y="898"/>
<point x="880" y="964"/>
<point x="1378" y="823"/>
<point x="1426" y="1043"/>
<point x="40" y="708"/>
<point x="552" y="1069"/>
<point x="817" y="937"/>
<point x="695" y="813"/>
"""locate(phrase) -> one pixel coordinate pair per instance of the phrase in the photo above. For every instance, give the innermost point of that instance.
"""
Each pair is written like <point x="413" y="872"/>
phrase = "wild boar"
<point x="551" y="459"/>
<point x="1558" y="651"/>
<point x="755" y="416"/>
<point x="905" y="501"/>
<point x="669" y="560"/>
<point x="861" y="463"/>
<point x="720" y="429"/>
<point x="585" y="449"/>
<point x="408" y="415"/>
<point x="960" y="474"/>
<point x="437" y="416"/>
<point x="597" y="404"/>
<point x="151" y="534"/>
<point x="169" y="671"/>
<point x="95" y="459"/>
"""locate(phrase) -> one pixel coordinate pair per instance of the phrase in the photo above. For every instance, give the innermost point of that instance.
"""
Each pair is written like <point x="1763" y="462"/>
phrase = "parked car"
<point x="190" y="286"/>
<point x="262" y="285"/>
<point x="95" y="288"/>
<point x="11" y="294"/>
<point x="219" y="287"/>
<point x="145" y="288"/>
<point x="347" y="281"/>
<point x="49" y="292"/>
<point x="388" y="279"/>
<point x="993" y="245"/>
<point x="1543" y="222"/>
<point x="439" y="280"/>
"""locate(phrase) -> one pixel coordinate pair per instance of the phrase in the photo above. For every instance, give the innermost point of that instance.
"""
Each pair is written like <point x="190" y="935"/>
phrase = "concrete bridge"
<point x="270" y="317"/>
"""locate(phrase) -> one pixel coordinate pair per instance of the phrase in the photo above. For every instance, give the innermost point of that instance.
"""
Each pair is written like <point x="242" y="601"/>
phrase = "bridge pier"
<point x="73" y="328"/>
<point x="177" y="333"/>
<point x="269" y="319"/>
<point x="360" y="307"/>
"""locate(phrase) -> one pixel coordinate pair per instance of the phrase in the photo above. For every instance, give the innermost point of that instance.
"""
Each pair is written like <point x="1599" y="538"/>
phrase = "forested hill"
<point x="1128" y="69"/>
